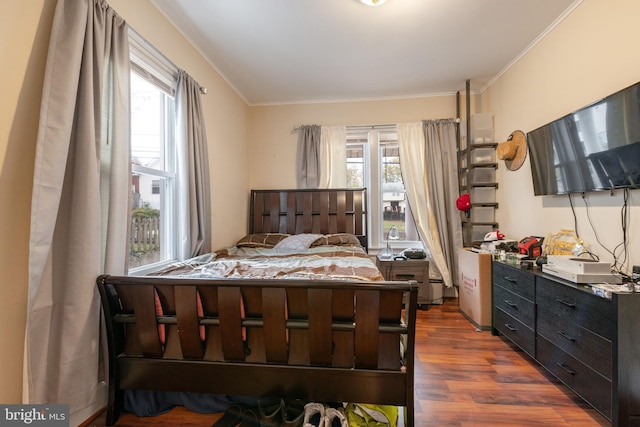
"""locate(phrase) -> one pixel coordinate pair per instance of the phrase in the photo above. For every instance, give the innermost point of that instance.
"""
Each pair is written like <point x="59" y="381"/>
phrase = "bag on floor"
<point x="365" y="415"/>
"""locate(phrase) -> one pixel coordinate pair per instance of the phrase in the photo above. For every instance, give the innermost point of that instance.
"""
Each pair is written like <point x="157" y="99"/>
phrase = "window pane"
<point x="396" y="212"/>
<point x="146" y="236"/>
<point x="147" y="123"/>
<point x="355" y="166"/>
<point x="151" y="181"/>
<point x="391" y="175"/>
<point x="394" y="202"/>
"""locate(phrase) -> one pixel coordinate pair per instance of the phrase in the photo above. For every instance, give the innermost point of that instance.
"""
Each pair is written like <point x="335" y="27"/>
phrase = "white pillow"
<point x="297" y="242"/>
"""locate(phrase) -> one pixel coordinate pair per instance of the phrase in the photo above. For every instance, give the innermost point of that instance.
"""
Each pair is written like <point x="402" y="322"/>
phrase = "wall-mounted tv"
<point x="593" y="149"/>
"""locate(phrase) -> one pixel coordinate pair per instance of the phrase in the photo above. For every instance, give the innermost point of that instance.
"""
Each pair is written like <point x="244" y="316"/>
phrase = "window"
<point x="153" y="174"/>
<point x="373" y="161"/>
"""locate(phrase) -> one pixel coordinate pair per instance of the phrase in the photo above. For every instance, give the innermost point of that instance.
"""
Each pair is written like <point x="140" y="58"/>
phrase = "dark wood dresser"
<point x="589" y="342"/>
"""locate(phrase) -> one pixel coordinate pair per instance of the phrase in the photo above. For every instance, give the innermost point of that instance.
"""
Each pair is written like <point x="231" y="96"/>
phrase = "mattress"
<point x="312" y="261"/>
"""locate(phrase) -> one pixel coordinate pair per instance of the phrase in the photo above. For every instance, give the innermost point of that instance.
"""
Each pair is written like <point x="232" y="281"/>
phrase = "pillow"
<point x="338" y="239"/>
<point x="261" y="240"/>
<point x="297" y="242"/>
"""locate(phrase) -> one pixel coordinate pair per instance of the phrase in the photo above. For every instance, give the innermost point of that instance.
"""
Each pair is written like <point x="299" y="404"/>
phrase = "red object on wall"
<point x="463" y="203"/>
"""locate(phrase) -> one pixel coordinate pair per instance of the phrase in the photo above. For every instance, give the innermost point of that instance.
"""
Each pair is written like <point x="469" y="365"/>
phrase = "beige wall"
<point x="24" y="31"/>
<point x="273" y="145"/>
<point x="591" y="54"/>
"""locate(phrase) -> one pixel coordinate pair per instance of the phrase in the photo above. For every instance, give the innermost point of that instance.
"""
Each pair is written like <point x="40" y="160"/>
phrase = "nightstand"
<point x="409" y="269"/>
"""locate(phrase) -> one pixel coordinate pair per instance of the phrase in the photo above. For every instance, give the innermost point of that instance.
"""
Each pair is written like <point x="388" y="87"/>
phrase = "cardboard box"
<point x="475" y="287"/>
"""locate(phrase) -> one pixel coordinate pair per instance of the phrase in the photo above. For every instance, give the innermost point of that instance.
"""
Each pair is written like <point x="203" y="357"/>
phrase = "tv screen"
<point x="593" y="149"/>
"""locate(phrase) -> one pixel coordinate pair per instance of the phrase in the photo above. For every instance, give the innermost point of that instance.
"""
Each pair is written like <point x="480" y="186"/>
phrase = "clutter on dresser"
<point x="531" y="246"/>
<point x="580" y="270"/>
<point x="564" y="242"/>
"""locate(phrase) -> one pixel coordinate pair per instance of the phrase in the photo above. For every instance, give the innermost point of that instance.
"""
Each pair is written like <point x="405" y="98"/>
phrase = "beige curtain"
<point x="80" y="204"/>
<point x="193" y="165"/>
<point x="308" y="157"/>
<point x="427" y="160"/>
<point x="322" y="157"/>
<point x="333" y="157"/>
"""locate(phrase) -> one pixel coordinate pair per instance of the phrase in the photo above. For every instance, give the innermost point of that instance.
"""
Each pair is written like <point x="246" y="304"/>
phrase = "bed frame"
<point x="324" y="341"/>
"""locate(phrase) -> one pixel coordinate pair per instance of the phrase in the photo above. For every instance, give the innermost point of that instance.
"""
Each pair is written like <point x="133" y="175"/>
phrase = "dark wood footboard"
<point x="324" y="341"/>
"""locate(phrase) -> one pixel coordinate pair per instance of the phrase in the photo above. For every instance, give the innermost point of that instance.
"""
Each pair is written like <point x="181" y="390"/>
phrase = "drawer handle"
<point x="509" y="327"/>
<point x="408" y="276"/>
<point x="567" y="369"/>
<point x="510" y="279"/>
<point x="568" y="304"/>
<point x="569" y="337"/>
<point x="510" y="304"/>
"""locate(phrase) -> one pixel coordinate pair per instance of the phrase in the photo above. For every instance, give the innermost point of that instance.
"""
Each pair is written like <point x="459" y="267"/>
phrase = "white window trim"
<point x="153" y="66"/>
<point x="373" y="174"/>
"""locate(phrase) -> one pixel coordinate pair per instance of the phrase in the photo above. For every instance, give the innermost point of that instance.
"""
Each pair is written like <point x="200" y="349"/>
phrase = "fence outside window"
<point x="145" y="241"/>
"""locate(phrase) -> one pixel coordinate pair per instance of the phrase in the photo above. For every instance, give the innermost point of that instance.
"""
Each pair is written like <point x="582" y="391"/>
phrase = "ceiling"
<point x="300" y="51"/>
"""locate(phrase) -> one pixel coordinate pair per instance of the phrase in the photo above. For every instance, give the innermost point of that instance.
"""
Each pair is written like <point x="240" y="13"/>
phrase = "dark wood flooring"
<point x="463" y="378"/>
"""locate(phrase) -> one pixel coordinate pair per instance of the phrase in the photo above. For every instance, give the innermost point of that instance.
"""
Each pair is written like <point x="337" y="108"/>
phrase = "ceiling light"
<point x="372" y="2"/>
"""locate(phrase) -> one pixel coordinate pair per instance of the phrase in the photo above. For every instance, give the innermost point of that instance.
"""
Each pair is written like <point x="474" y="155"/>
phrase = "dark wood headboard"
<point x="323" y="211"/>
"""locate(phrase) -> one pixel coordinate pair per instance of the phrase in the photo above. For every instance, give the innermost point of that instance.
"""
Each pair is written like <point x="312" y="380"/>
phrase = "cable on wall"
<point x="620" y="260"/>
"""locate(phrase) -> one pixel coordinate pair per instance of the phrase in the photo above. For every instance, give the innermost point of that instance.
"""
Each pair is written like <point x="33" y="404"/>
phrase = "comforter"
<point x="314" y="263"/>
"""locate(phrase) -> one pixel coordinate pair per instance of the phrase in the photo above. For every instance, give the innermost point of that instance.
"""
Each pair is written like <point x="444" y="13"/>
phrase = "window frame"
<point x="150" y="65"/>
<point x="370" y="138"/>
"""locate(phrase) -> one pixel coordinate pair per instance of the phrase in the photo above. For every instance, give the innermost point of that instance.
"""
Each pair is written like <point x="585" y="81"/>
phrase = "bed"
<point x="296" y="309"/>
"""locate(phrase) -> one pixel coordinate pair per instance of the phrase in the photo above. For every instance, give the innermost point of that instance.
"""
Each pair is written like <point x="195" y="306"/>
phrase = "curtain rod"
<point x="371" y="127"/>
<point x="363" y="127"/>
<point x="142" y="41"/>
<point x="297" y="128"/>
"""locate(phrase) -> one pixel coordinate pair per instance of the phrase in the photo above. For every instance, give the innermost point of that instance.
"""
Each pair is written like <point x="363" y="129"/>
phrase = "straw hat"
<point x="513" y="151"/>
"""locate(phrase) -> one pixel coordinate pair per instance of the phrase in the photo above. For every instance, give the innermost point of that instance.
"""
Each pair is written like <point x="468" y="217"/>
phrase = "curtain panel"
<point x="80" y="204"/>
<point x="425" y="162"/>
<point x="333" y="160"/>
<point x="442" y="170"/>
<point x="322" y="157"/>
<point x="193" y="165"/>
<point x="308" y="157"/>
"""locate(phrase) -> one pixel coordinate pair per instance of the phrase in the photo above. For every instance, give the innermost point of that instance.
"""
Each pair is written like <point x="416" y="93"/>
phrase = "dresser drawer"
<point x="514" y="305"/>
<point x="408" y="270"/>
<point x="518" y="281"/>
<point x="521" y="335"/>
<point x="575" y="306"/>
<point x="585" y="382"/>
<point x="591" y="349"/>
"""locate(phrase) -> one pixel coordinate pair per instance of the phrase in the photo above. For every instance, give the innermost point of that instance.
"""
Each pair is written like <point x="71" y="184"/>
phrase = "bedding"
<point x="301" y="256"/>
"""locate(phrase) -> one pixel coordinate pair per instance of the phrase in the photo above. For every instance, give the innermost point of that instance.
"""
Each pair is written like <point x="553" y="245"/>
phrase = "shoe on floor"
<point x="270" y="415"/>
<point x="292" y="413"/>
<point x="335" y="417"/>
<point x="314" y="415"/>
<point x="232" y="416"/>
<point x="249" y="418"/>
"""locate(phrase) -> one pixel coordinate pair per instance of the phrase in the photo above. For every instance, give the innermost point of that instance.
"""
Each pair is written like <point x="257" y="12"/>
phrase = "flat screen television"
<point x="593" y="149"/>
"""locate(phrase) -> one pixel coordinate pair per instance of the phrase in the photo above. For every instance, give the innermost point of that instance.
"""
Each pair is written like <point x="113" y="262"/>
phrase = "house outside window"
<point x="373" y="161"/>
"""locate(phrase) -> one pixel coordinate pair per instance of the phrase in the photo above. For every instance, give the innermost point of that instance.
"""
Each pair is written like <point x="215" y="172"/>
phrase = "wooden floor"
<point x="463" y="378"/>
